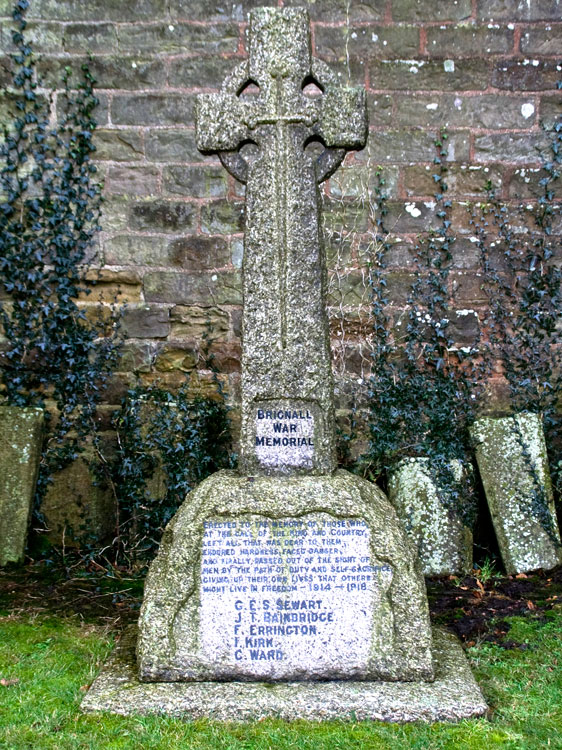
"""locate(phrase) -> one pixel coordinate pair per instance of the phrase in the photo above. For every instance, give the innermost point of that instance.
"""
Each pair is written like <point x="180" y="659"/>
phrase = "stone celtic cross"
<point x="287" y="388"/>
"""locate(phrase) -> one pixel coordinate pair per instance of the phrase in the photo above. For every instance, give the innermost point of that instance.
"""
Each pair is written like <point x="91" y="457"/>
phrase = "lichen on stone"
<point x="437" y="531"/>
<point x="21" y="431"/>
<point x="169" y="646"/>
<point x="513" y="464"/>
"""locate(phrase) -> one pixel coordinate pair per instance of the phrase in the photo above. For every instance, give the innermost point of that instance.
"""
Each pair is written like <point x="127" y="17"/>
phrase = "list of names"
<point x="279" y="595"/>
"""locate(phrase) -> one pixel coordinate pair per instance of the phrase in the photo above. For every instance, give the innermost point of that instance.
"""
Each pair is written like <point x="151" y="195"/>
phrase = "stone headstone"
<point x="286" y="569"/>
<point x="90" y="517"/>
<point x="513" y="464"/>
<point x="21" y="432"/>
<point x="441" y="538"/>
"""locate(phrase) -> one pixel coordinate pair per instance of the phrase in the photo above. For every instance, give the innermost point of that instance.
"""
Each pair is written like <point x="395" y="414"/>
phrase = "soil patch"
<point x="475" y="609"/>
<point x="93" y="596"/>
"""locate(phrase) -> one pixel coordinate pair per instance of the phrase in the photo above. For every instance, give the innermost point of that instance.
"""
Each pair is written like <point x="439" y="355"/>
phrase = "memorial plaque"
<point x="284" y="597"/>
<point x="285" y="433"/>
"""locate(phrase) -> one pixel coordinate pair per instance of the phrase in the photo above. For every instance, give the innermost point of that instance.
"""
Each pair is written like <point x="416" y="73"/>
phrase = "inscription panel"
<point x="289" y="598"/>
<point x="285" y="433"/>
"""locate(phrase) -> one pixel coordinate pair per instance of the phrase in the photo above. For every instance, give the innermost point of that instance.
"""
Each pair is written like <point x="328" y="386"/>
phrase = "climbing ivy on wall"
<point x="425" y="391"/>
<point x="522" y="280"/>
<point x="423" y="388"/>
<point x="52" y="355"/>
<point x="166" y="445"/>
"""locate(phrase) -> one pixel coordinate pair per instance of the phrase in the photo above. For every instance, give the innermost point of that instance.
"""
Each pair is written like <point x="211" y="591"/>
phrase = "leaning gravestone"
<point x="20" y="450"/>
<point x="513" y="464"/>
<point x="286" y="570"/>
<point x="91" y="515"/>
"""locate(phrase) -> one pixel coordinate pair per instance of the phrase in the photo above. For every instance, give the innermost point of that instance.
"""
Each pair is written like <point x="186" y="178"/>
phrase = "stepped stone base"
<point x="452" y="696"/>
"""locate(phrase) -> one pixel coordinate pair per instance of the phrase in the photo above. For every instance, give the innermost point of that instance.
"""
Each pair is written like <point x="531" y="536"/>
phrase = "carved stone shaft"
<point x="287" y="388"/>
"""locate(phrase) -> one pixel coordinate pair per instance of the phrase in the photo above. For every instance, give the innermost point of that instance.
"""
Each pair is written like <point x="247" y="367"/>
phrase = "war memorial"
<point x="286" y="588"/>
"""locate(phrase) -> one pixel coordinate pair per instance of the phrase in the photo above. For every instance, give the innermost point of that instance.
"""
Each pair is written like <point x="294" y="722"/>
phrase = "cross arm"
<point x="220" y="122"/>
<point x="342" y="121"/>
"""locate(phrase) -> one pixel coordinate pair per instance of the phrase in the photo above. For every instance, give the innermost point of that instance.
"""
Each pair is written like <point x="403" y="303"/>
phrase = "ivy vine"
<point x="422" y="390"/>
<point x="53" y="356"/>
<point x="522" y="281"/>
<point x="167" y="443"/>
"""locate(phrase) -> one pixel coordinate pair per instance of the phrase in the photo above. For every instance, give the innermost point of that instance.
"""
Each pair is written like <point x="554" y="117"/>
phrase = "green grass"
<point x="51" y="660"/>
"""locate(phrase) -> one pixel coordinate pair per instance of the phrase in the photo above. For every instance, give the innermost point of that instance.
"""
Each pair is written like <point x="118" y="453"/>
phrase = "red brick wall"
<point x="173" y="221"/>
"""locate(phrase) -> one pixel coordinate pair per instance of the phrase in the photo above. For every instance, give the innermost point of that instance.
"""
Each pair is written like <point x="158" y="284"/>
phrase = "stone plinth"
<point x="304" y="578"/>
<point x="452" y="696"/>
<point x="438" y="534"/>
<point x="513" y="464"/>
<point x="20" y="451"/>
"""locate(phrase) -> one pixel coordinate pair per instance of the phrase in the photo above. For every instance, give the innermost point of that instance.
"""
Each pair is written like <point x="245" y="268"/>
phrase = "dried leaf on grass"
<point x="8" y="683"/>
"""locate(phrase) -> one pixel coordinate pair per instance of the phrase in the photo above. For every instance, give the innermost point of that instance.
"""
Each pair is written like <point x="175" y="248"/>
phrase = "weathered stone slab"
<point x="452" y="696"/>
<point x="442" y="541"/>
<point x="513" y="464"/>
<point x="20" y="450"/>
<point x="76" y="507"/>
<point x="286" y="357"/>
<point x="284" y="578"/>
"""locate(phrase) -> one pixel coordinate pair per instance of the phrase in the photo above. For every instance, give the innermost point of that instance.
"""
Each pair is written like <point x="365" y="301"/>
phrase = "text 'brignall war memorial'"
<point x="286" y="588"/>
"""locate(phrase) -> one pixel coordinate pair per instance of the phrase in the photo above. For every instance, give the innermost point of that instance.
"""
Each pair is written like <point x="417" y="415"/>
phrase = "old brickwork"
<point x="174" y="219"/>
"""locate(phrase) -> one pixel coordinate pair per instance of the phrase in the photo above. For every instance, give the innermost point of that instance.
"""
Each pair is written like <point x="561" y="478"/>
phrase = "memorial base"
<point x="452" y="696"/>
<point x="282" y="579"/>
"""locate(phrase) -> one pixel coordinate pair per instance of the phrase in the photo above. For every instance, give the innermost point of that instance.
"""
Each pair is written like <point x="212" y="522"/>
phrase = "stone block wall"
<point x="174" y="219"/>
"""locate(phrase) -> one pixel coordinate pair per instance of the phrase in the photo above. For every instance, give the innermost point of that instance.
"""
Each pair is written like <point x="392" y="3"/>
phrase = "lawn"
<point x="48" y="660"/>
